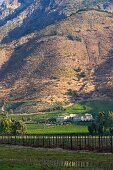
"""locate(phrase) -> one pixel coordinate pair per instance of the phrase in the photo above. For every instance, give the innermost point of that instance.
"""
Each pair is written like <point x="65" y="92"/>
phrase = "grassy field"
<point x="22" y="158"/>
<point x="92" y="107"/>
<point x="53" y="129"/>
<point x="89" y="106"/>
<point x="35" y="117"/>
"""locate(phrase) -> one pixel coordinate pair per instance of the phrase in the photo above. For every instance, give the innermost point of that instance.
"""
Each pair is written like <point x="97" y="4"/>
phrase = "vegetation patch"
<point x="91" y="106"/>
<point x="27" y="159"/>
<point x="56" y="129"/>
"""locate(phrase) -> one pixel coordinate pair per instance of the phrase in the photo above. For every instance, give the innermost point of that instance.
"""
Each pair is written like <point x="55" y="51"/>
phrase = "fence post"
<point x="26" y="140"/>
<point x="2" y="139"/>
<point x="111" y="143"/>
<point x="56" y="141"/>
<point x="99" y="142"/>
<point x="71" y="141"/>
<point x="37" y="141"/>
<point x="85" y="142"/>
<point x="43" y="140"/>
<point x="23" y="140"/>
<point x="15" y="140"/>
<point x="53" y="140"/>
<point x="63" y="141"/>
<point x="80" y="142"/>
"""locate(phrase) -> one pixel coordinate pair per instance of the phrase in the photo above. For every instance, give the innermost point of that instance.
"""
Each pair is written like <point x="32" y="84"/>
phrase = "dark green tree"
<point x="9" y="126"/>
<point x="6" y="126"/>
<point x="18" y="127"/>
<point x="102" y="123"/>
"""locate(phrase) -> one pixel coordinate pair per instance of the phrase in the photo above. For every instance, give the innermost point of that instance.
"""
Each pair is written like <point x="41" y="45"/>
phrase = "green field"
<point x="55" y="129"/>
<point x="92" y="106"/>
<point x="89" y="106"/>
<point x="22" y="158"/>
<point x="35" y="117"/>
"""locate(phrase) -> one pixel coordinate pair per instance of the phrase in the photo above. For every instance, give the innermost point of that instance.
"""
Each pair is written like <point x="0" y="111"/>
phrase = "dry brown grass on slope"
<point x="43" y="67"/>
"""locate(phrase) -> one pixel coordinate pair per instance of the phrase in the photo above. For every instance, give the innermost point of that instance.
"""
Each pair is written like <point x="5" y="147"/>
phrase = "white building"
<point x="83" y="117"/>
<point x="87" y="117"/>
<point x="62" y="118"/>
<point x="75" y="117"/>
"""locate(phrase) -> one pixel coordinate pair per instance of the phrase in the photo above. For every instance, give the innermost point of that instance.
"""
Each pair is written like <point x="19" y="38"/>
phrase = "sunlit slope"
<point x="64" y="62"/>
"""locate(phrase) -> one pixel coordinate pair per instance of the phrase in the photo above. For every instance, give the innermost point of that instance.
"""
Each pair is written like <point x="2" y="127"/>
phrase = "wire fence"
<point x="100" y="143"/>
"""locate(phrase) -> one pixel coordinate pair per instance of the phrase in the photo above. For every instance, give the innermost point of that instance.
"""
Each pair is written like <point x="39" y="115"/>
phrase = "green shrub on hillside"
<point x="79" y="73"/>
<point x="82" y="74"/>
<point x="71" y="92"/>
<point x="74" y="38"/>
<point x="57" y="106"/>
<point x="77" y="69"/>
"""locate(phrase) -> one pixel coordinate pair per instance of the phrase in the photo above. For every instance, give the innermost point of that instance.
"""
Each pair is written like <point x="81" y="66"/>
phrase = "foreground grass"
<point x="15" y="167"/>
<point x="55" y="129"/>
<point x="12" y="158"/>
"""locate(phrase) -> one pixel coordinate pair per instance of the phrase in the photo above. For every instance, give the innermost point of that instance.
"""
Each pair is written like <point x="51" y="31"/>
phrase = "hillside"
<point x="64" y="62"/>
<point x="20" y="17"/>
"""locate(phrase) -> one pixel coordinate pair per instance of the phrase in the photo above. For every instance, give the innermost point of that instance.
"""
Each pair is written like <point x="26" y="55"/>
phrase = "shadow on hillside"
<point x="43" y="65"/>
<point x="101" y="79"/>
<point x="15" y="69"/>
<point x="107" y="66"/>
<point x="38" y="20"/>
<point x="14" y="14"/>
<point x="18" y="67"/>
<point x="16" y="60"/>
<point x="29" y="91"/>
<point x="102" y="74"/>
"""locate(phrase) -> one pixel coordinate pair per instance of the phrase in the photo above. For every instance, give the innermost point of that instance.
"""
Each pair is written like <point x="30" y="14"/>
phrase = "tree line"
<point x="102" y="124"/>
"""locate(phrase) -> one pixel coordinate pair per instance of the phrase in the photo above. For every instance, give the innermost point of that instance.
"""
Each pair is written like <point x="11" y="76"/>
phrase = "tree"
<point x="111" y="130"/>
<point x="9" y="126"/>
<point x="105" y="120"/>
<point x="92" y="128"/>
<point x="57" y="106"/>
<point x="6" y="126"/>
<point x="18" y="127"/>
<point x="102" y="122"/>
<point x="110" y="119"/>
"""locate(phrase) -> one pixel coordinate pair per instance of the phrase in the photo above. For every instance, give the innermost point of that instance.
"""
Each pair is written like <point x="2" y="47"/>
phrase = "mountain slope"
<point x="23" y="17"/>
<point x="64" y="62"/>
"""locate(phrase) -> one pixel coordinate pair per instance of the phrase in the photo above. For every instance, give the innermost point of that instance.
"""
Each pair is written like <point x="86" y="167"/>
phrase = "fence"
<point x="102" y="143"/>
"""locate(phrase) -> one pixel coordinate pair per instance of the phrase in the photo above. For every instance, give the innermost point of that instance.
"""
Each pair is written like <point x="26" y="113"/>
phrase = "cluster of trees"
<point x="57" y="106"/>
<point x="11" y="126"/>
<point x="102" y="124"/>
